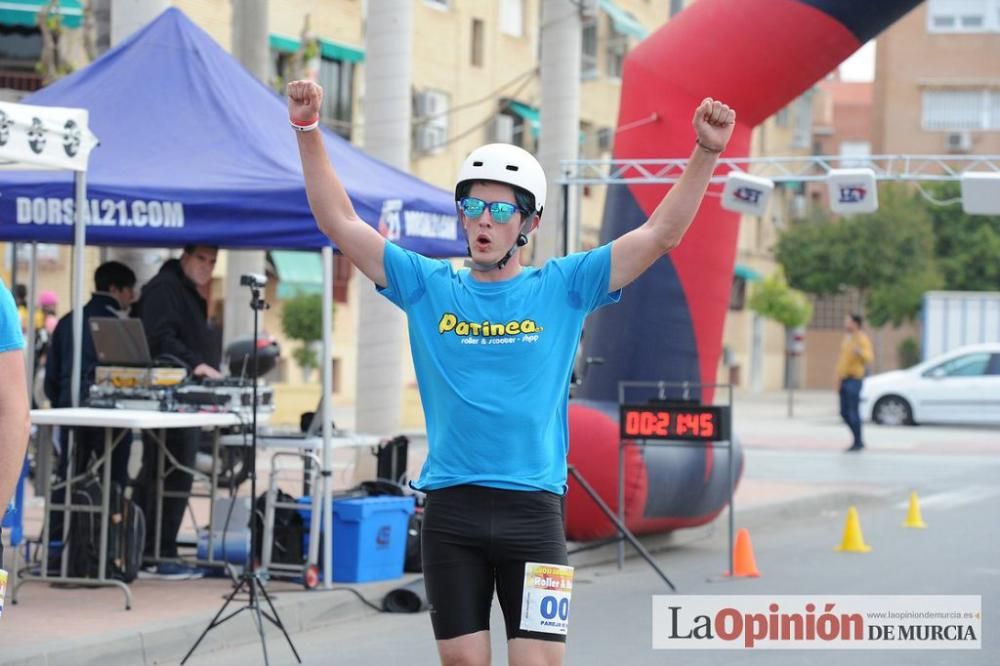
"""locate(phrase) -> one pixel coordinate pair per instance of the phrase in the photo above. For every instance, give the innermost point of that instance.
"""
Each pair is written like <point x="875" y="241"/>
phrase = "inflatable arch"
<point x="757" y="56"/>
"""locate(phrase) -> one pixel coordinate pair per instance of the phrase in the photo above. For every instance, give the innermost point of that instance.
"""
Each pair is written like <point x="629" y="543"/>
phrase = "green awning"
<point x="335" y="51"/>
<point x="623" y="21"/>
<point x="298" y="272"/>
<point x="530" y="115"/>
<point x="327" y="49"/>
<point x="25" y="12"/>
<point x="746" y="273"/>
<point x="283" y="44"/>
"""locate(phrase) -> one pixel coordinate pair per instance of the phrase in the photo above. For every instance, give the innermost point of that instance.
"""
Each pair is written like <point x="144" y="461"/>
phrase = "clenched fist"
<point x="714" y="123"/>
<point x="304" y="101"/>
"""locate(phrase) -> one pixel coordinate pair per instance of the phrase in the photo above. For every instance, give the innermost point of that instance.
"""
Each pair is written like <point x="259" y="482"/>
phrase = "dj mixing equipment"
<point x="229" y="394"/>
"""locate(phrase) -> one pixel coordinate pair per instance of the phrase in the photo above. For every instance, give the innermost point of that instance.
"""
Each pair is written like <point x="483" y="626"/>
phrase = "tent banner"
<point x="44" y="137"/>
<point x="397" y="222"/>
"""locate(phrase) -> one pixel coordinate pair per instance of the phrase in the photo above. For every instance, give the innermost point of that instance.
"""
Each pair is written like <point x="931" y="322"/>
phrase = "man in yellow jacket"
<point x="855" y="355"/>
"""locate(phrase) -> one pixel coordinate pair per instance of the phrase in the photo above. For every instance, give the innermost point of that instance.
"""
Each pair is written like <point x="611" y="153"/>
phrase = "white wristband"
<point x="304" y="128"/>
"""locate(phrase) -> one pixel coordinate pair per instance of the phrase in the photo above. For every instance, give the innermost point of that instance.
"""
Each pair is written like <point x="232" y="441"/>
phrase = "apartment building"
<point x="937" y="83"/>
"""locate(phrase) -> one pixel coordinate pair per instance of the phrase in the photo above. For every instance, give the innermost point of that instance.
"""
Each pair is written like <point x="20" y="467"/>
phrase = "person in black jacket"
<point x="175" y="317"/>
<point x="114" y="285"/>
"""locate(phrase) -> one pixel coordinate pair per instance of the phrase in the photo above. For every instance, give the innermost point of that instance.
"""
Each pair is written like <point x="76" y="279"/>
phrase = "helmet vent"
<point x="511" y="167"/>
<point x="477" y="164"/>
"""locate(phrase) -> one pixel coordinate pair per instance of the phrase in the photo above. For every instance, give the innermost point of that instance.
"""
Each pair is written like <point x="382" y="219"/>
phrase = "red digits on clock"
<point x="707" y="425"/>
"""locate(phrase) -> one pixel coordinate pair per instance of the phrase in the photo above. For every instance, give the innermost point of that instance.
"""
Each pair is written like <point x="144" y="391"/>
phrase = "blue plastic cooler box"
<point x="369" y="537"/>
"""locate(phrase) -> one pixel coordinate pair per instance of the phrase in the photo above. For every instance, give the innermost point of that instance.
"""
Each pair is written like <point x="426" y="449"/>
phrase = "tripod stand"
<point x="250" y="579"/>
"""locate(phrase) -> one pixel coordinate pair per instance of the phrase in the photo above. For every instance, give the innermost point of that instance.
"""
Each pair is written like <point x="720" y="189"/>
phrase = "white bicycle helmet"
<point x="504" y="163"/>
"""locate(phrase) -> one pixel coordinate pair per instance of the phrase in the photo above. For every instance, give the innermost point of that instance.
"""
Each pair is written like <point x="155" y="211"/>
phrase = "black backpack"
<point x="289" y="531"/>
<point x="412" y="563"/>
<point x="126" y="534"/>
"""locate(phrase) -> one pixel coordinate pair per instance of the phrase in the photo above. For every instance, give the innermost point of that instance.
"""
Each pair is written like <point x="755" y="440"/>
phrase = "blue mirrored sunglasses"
<point x="500" y="211"/>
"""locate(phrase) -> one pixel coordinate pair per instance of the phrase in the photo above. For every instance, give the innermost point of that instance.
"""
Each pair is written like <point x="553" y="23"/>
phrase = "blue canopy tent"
<point x="195" y="150"/>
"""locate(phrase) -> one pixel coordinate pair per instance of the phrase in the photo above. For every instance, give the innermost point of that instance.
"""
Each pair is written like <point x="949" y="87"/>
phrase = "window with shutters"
<point x="963" y="16"/>
<point x="588" y="57"/>
<point x="337" y="79"/>
<point x="961" y="109"/>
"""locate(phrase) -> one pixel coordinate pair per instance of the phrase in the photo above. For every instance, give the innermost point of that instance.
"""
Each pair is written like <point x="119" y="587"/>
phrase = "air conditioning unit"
<point x="423" y="105"/>
<point x="958" y="142"/>
<point x="502" y="129"/>
<point x="428" y="138"/>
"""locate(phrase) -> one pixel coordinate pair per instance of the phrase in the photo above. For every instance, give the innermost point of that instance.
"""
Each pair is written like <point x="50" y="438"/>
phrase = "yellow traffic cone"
<point x="913" y="517"/>
<point x="853" y="541"/>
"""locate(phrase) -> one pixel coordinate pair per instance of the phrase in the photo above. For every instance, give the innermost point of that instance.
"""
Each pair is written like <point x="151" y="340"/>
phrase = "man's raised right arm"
<point x="330" y="204"/>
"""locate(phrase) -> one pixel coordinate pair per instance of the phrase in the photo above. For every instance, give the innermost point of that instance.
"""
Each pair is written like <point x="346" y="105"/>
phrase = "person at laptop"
<point x="174" y="314"/>
<point x="114" y="293"/>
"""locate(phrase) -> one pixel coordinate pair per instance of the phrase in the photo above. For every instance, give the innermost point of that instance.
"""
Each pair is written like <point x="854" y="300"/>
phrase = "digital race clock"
<point x="675" y="420"/>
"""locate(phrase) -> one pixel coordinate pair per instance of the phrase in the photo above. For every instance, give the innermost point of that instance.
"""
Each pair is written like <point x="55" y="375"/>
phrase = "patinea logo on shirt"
<point x="450" y="323"/>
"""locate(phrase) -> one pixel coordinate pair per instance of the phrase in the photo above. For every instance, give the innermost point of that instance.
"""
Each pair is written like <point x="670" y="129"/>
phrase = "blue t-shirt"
<point x="493" y="363"/>
<point x="10" y="322"/>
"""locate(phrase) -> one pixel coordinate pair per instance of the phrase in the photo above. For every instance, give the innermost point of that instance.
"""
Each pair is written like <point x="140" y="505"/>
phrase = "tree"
<point x="302" y="320"/>
<point x="966" y="246"/>
<point x="887" y="256"/>
<point x="773" y="299"/>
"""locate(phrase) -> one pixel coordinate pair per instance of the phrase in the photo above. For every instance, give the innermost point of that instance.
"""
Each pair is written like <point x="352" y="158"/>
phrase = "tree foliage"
<point x="772" y="298"/>
<point x="302" y="319"/>
<point x="887" y="256"/>
<point x="967" y="246"/>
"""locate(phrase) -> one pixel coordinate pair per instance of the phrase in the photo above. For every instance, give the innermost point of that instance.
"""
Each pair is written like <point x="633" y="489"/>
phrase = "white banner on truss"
<point x="44" y="137"/>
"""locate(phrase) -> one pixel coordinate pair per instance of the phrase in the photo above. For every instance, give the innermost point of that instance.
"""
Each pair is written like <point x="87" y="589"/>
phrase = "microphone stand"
<point x="250" y="578"/>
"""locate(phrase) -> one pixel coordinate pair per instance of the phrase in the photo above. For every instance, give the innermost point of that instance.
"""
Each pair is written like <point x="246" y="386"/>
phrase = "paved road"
<point x="611" y="624"/>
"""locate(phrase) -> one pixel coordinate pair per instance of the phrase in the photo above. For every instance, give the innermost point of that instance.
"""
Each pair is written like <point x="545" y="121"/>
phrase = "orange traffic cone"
<point x="746" y="565"/>
<point x="853" y="541"/>
<point x="913" y="517"/>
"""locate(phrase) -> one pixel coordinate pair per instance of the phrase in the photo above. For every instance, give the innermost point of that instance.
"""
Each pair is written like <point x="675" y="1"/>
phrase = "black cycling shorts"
<point x="476" y="539"/>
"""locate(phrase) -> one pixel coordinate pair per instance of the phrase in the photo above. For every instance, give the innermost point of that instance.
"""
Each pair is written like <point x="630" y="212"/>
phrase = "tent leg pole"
<point x="326" y="408"/>
<point x="80" y="234"/>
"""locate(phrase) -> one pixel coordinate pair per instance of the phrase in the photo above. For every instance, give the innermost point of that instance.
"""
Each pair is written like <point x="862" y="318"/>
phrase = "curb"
<point x="168" y="641"/>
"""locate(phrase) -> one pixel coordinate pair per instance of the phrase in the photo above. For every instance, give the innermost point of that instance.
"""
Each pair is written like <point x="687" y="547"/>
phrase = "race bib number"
<point x="545" y="601"/>
<point x="3" y="589"/>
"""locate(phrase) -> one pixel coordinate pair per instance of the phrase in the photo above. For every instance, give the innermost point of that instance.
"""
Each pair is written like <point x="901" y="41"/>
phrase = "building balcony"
<point x="20" y="80"/>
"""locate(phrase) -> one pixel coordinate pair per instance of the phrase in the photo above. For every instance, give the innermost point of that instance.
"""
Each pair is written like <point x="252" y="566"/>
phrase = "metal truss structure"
<point x="779" y="169"/>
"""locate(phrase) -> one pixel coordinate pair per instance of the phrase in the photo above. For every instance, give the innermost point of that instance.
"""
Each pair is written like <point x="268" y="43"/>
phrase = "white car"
<point x="961" y="386"/>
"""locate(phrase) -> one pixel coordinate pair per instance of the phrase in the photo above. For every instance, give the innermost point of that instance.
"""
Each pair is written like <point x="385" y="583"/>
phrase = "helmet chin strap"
<point x="522" y="240"/>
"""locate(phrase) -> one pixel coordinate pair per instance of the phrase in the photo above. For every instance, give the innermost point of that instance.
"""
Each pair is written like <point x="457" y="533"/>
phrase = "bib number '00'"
<point x="546" y="598"/>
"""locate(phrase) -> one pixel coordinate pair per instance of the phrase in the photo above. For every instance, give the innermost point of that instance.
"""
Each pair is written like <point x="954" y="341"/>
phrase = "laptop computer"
<point x="120" y="342"/>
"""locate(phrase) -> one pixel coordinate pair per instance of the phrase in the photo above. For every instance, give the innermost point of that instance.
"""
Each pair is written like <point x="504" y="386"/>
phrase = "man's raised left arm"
<point x="634" y="252"/>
